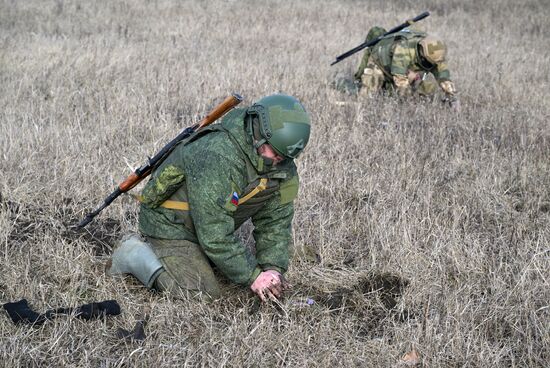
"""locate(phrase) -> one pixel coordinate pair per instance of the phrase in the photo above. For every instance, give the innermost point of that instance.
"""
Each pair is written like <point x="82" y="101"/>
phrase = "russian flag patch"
<point x="235" y="199"/>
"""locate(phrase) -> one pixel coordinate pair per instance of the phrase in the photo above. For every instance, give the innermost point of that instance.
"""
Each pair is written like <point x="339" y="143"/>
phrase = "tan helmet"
<point x="433" y="49"/>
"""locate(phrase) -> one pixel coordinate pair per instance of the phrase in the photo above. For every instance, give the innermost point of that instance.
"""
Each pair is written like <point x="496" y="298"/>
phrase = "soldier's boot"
<point x="135" y="256"/>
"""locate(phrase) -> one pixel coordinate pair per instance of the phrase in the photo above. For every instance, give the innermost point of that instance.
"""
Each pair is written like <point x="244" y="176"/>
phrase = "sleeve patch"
<point x="231" y="201"/>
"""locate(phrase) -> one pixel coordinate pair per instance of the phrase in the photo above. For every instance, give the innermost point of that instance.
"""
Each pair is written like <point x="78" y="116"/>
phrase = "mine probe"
<point x="376" y="40"/>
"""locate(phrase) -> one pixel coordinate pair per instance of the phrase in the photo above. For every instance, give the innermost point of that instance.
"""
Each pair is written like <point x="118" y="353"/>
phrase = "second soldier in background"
<point x="402" y="62"/>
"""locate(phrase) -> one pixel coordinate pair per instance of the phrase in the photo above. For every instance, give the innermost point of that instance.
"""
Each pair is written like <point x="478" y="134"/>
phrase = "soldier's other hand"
<point x="269" y="285"/>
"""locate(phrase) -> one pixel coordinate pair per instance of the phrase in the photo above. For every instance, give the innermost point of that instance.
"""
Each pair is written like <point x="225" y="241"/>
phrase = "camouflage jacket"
<point x="397" y="54"/>
<point x="213" y="172"/>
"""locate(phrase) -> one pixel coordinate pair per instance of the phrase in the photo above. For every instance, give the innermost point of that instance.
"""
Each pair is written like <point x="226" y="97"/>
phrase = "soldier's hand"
<point x="269" y="284"/>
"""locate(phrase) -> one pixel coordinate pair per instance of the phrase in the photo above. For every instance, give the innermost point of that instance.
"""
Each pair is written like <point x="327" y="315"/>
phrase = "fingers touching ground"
<point x="269" y="285"/>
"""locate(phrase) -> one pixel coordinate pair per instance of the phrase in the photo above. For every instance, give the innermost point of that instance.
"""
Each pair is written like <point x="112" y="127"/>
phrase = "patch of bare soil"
<point x="102" y="234"/>
<point x="30" y="222"/>
<point x="370" y="300"/>
<point x="370" y="303"/>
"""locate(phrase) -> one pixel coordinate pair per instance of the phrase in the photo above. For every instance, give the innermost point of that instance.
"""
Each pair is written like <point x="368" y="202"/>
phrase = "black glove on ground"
<point x="137" y="334"/>
<point x="20" y="312"/>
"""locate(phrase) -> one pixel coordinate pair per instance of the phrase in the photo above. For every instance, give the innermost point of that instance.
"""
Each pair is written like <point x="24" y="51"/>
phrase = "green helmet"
<point x="433" y="49"/>
<point x="283" y="123"/>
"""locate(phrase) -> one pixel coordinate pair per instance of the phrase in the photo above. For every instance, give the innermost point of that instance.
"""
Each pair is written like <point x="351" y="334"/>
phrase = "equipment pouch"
<point x="289" y="190"/>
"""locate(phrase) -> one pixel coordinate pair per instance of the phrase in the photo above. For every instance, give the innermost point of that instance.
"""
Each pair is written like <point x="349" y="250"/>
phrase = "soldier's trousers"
<point x="187" y="269"/>
<point x="374" y="80"/>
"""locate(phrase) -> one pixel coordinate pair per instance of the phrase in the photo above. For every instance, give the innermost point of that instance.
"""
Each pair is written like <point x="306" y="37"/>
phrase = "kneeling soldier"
<point x="402" y="61"/>
<point x="207" y="187"/>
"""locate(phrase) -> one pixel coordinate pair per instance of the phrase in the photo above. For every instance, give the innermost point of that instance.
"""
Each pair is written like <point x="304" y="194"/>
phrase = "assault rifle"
<point x="376" y="40"/>
<point x="142" y="172"/>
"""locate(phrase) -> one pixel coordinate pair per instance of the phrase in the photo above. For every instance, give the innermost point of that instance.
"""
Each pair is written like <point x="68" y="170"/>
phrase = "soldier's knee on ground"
<point x="371" y="81"/>
<point x="426" y="88"/>
<point x="187" y="269"/>
<point x="166" y="283"/>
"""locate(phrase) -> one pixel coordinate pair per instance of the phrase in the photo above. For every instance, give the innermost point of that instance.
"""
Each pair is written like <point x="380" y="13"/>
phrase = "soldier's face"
<point x="266" y="151"/>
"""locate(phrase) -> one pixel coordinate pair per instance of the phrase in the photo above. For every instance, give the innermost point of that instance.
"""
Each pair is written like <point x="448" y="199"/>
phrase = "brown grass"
<point x="432" y="228"/>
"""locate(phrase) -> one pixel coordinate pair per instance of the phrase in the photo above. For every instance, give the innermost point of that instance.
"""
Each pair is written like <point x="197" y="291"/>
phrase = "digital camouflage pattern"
<point x="187" y="269"/>
<point x="211" y="171"/>
<point x="397" y="57"/>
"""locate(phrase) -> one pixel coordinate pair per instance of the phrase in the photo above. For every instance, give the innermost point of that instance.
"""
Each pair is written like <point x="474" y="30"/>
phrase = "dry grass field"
<point x="416" y="228"/>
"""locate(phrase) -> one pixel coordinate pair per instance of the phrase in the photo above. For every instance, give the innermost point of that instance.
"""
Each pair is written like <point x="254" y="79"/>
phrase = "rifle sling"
<point x="184" y="206"/>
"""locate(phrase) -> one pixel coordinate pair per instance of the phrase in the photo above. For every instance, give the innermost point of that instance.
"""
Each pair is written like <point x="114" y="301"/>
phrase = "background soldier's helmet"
<point x="282" y="122"/>
<point x="433" y="49"/>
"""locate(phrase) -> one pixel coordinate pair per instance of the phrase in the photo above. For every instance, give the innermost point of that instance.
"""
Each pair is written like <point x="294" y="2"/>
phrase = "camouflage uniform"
<point x="374" y="32"/>
<point x="352" y="86"/>
<point x="395" y="63"/>
<point x="215" y="171"/>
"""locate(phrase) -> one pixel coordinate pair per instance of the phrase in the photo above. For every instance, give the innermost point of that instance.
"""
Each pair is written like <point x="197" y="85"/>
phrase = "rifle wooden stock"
<point x="131" y="181"/>
<point x="220" y="110"/>
<point x="366" y="44"/>
<point x="142" y="172"/>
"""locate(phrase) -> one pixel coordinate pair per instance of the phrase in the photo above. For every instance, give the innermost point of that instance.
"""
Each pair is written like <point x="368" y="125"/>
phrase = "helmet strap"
<point x="253" y="128"/>
<point x="257" y="144"/>
<point x="422" y="60"/>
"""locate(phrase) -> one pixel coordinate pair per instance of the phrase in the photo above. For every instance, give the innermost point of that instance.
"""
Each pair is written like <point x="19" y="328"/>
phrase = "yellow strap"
<point x="258" y="189"/>
<point x="173" y="205"/>
<point x="184" y="206"/>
